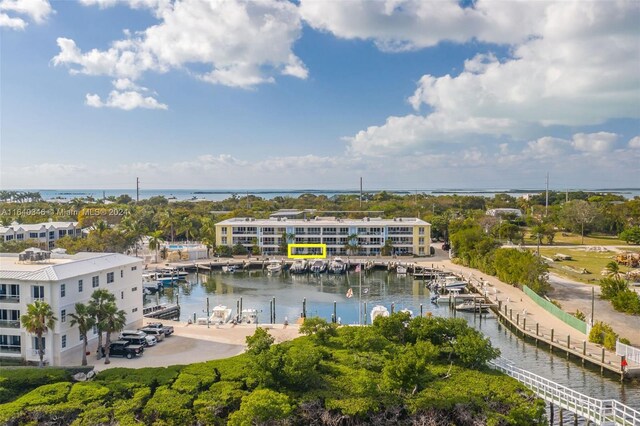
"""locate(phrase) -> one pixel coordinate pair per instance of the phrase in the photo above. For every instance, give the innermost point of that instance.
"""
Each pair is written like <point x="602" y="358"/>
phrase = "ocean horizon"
<point x="194" y="194"/>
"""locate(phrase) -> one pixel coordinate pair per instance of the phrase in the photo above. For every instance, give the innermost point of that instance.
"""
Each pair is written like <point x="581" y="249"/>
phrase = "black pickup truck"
<point x="125" y="349"/>
<point x="168" y="329"/>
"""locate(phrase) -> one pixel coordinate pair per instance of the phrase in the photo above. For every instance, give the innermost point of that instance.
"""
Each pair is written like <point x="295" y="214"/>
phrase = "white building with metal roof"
<point x="62" y="281"/>
<point x="46" y="233"/>
<point x="406" y="235"/>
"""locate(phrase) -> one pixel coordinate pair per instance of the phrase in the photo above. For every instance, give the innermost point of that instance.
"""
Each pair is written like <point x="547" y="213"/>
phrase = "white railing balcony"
<point x="10" y="298"/>
<point x="9" y="324"/>
<point x="10" y="349"/>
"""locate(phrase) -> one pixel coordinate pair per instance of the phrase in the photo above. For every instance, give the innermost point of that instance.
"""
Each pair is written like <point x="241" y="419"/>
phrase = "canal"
<point x="257" y="289"/>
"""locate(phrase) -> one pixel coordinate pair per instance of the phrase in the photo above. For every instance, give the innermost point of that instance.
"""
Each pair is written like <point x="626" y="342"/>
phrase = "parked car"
<point x="125" y="349"/>
<point x="168" y="329"/>
<point x="132" y="333"/>
<point x="151" y="340"/>
<point x="158" y="334"/>
<point x="135" y="340"/>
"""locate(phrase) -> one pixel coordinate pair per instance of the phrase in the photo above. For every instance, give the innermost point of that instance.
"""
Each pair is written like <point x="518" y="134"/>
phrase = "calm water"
<point x="380" y="288"/>
<point x="222" y="194"/>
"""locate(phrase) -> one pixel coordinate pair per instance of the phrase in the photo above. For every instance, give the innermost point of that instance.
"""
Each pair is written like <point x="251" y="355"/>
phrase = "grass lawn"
<point x="570" y="239"/>
<point x="593" y="262"/>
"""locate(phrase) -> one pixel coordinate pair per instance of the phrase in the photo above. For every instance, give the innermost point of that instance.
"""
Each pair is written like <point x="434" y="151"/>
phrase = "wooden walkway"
<point x="574" y="346"/>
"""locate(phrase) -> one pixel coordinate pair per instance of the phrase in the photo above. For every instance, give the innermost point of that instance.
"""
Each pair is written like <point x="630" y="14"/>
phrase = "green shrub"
<point x="20" y="380"/>
<point x="213" y="405"/>
<point x="84" y="393"/>
<point x="158" y="376"/>
<point x="580" y="315"/>
<point x="169" y="406"/>
<point x="626" y="301"/>
<point x="46" y="394"/>
<point x="260" y="406"/>
<point x="603" y="334"/>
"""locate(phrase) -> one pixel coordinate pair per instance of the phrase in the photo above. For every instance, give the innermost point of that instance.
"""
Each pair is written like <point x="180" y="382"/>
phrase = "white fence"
<point x="630" y="353"/>
<point x="601" y="412"/>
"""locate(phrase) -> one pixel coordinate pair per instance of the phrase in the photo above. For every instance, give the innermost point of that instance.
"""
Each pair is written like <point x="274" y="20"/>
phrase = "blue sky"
<point x="274" y="94"/>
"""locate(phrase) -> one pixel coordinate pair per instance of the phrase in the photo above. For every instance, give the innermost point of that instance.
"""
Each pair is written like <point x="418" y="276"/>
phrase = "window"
<point x="43" y="235"/>
<point x="134" y="289"/>
<point x="62" y="233"/>
<point x="121" y="273"/>
<point x="36" y="343"/>
<point x="224" y="240"/>
<point x="122" y="295"/>
<point x="109" y="277"/>
<point x="64" y="341"/>
<point x="8" y="237"/>
<point x="95" y="281"/>
<point x="19" y="236"/>
<point x="79" y="286"/>
<point x="224" y="231"/>
<point x="134" y="268"/>
<point x="63" y="315"/>
<point x="33" y="235"/>
<point x="37" y="292"/>
<point x="134" y="310"/>
<point x="52" y="234"/>
<point x="63" y="290"/>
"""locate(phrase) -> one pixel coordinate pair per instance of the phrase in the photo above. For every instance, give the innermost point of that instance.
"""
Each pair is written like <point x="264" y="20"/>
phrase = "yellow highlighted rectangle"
<point x="322" y="255"/>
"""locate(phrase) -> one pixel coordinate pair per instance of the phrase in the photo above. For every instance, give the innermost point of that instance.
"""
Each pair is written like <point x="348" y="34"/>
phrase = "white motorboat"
<point x="249" y="316"/>
<point x="274" y="266"/>
<point x="401" y="270"/>
<point x="378" y="311"/>
<point x="220" y="315"/>
<point x="318" y="266"/>
<point x="229" y="268"/>
<point x="471" y="306"/>
<point x="300" y="266"/>
<point x="337" y="266"/>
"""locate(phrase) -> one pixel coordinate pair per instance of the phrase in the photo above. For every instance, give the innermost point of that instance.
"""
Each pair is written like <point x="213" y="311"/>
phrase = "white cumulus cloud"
<point x="635" y="142"/>
<point x="243" y="43"/>
<point x="127" y="101"/>
<point x="579" y="66"/>
<point x="36" y="10"/>
<point x="594" y="142"/>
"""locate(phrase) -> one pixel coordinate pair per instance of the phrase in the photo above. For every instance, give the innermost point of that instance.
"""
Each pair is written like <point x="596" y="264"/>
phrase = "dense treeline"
<point x="398" y="371"/>
<point x="119" y="222"/>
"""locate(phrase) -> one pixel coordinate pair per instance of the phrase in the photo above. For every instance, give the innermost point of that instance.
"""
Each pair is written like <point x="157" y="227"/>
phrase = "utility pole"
<point x="360" y="192"/>
<point x="546" y="203"/>
<point x="137" y="189"/>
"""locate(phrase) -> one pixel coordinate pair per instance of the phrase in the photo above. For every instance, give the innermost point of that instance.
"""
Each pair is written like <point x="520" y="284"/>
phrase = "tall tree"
<point x="114" y="320"/>
<point x="168" y="222"/>
<point x="155" y="241"/>
<point x="85" y="321"/>
<point x="98" y="303"/>
<point x="578" y="214"/>
<point x="38" y="320"/>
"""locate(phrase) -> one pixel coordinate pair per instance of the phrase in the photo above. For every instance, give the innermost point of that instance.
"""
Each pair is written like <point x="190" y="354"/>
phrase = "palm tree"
<point x="113" y="320"/>
<point x="38" y="320"/>
<point x="208" y="233"/>
<point x="613" y="270"/>
<point x="97" y="309"/>
<point x="134" y="230"/>
<point x="352" y="245"/>
<point x="155" y="241"/>
<point x="85" y="321"/>
<point x="168" y="222"/>
<point x="100" y="226"/>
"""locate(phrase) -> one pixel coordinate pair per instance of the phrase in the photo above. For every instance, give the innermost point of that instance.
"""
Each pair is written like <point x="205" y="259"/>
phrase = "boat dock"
<point x="573" y="346"/>
<point x="162" y="311"/>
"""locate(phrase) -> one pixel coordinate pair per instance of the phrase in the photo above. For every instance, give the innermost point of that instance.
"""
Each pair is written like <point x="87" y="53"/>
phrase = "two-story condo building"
<point x="46" y="233"/>
<point x="62" y="280"/>
<point x="406" y="235"/>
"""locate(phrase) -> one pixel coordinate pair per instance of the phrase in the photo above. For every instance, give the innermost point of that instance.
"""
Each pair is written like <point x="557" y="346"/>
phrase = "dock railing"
<point x="596" y="410"/>
<point x="630" y="353"/>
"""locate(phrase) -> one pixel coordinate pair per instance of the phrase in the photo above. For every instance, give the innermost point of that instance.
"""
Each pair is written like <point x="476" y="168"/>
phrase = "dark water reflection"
<point x="380" y="288"/>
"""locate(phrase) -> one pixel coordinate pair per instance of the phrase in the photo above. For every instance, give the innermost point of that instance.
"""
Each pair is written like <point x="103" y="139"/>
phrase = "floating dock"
<point x="162" y="311"/>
